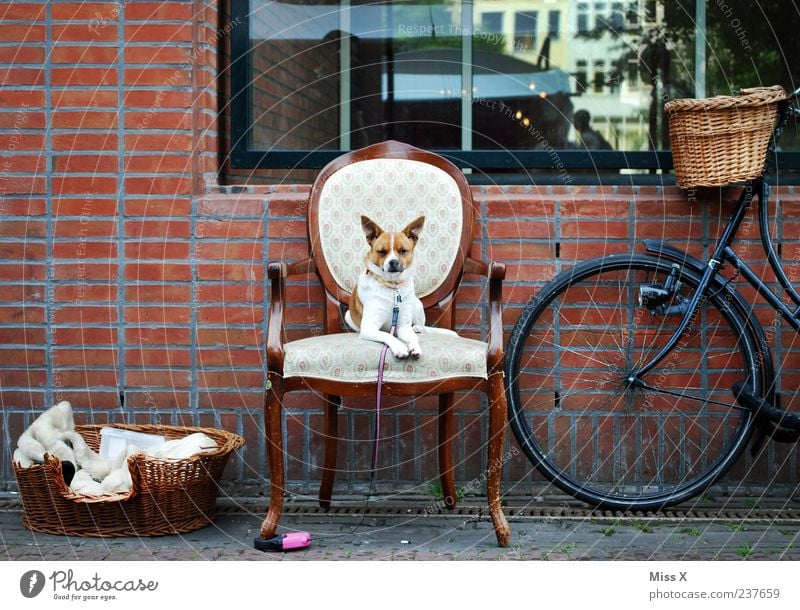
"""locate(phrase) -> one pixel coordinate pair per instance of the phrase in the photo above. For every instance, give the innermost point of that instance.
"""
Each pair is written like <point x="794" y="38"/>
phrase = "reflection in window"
<point x="525" y="24"/>
<point x="554" y="24"/>
<point x="333" y="76"/>
<point x="492" y="23"/>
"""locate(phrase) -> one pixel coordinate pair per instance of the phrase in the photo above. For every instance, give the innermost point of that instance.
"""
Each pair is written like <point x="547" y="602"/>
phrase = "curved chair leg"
<point x="497" y="432"/>
<point x="446" y="433"/>
<point x="274" y="428"/>
<point x="332" y="405"/>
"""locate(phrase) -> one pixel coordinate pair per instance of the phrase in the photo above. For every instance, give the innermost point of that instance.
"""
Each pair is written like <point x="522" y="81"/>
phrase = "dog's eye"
<point x="383" y="252"/>
<point x="403" y="251"/>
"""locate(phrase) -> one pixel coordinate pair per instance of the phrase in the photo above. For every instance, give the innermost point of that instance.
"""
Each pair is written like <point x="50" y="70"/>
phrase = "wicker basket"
<point x="167" y="496"/>
<point x="722" y="139"/>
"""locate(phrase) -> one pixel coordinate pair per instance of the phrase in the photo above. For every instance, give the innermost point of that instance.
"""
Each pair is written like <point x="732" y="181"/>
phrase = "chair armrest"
<point x="277" y="272"/>
<point x="496" y="272"/>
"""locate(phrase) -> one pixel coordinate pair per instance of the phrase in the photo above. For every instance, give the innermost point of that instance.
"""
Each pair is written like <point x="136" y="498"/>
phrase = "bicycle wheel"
<point x="592" y="434"/>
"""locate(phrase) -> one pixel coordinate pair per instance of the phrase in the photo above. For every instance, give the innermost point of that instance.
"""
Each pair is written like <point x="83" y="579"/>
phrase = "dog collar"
<point x="388" y="283"/>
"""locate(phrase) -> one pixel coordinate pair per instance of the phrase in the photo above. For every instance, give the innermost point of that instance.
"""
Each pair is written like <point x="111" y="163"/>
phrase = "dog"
<point x="389" y="276"/>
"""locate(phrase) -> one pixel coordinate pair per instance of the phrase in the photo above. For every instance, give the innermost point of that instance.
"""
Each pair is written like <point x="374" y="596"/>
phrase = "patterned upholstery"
<point x="392" y="192"/>
<point x="345" y="357"/>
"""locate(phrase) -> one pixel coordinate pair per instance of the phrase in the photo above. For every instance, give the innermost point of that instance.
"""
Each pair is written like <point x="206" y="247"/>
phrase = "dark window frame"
<point x="527" y="165"/>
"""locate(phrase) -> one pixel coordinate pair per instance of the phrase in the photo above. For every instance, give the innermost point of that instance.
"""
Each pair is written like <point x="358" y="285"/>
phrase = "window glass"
<point x="500" y="74"/>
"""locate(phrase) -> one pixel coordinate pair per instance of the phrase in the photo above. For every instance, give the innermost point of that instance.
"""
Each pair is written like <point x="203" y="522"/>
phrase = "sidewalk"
<point x="729" y="530"/>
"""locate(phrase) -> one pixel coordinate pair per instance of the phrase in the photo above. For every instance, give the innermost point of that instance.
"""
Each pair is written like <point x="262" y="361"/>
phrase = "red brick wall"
<point x="122" y="272"/>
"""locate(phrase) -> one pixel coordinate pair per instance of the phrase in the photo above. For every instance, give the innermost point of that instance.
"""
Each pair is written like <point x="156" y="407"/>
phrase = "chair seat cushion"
<point x="346" y="357"/>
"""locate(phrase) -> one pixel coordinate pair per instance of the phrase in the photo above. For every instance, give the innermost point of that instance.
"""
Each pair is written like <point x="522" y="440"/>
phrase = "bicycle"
<point x="635" y="381"/>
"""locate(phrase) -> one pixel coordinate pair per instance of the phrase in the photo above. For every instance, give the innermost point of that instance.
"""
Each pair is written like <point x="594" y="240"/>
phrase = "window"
<point x="492" y="23"/>
<point x="581" y="76"/>
<point x="583" y="18"/>
<point x="599" y="79"/>
<point x="554" y="24"/>
<point x="478" y="81"/>
<point x="525" y="24"/>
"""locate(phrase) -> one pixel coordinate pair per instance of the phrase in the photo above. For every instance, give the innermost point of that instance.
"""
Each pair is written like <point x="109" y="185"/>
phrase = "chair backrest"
<point x="392" y="183"/>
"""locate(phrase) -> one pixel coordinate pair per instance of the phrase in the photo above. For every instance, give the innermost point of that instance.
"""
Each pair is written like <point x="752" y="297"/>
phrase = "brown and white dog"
<point x="390" y="272"/>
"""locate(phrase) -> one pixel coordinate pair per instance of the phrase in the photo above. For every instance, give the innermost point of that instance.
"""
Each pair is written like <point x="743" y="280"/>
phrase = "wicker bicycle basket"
<point x="722" y="139"/>
<point x="167" y="496"/>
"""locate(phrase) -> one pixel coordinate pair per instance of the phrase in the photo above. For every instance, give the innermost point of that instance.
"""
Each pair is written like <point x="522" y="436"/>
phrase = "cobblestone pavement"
<point x="402" y="534"/>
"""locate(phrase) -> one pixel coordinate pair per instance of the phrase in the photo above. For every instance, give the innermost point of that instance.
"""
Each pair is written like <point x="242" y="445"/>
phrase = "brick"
<point x="85" y="206"/>
<point x="29" y="356"/>
<point x="22" y="250"/>
<point x="24" y="314"/>
<point x="23" y="163"/>
<point x="157" y="54"/>
<point x="158" y="185"/>
<point x="158" y="119"/>
<point x="22" y="11"/>
<point x="138" y="98"/>
<point x="157" y="357"/>
<point x="85" y="314"/>
<point x="84" y="184"/>
<point x="164" y="77"/>
<point x="86" y="164"/>
<point x="82" y="98"/>
<point x="86" y="227"/>
<point x="28" y="293"/>
<point x="86" y="11"/>
<point x="85" y="141"/>
<point x="156" y="206"/>
<point x="157" y="336"/>
<point x="81" y="356"/>
<point x="21" y="141"/>
<point x="23" y="228"/>
<point x="230" y="336"/>
<point x="87" y="54"/>
<point x="21" y="76"/>
<point x="23" y="272"/>
<point x="172" y="378"/>
<point x="83" y="292"/>
<point x="157" y="228"/>
<point x="22" y="33"/>
<point x="19" y="55"/>
<point x="158" y="250"/>
<point x="155" y="164"/>
<point x="85" y="271"/>
<point x="229" y="250"/>
<point x="230" y="229"/>
<point x="234" y="272"/>
<point x="158" y="315"/>
<point x="26" y="377"/>
<point x="83" y="378"/>
<point x="228" y="314"/>
<point x="171" y="34"/>
<point x="23" y="185"/>
<point x="158" y="272"/>
<point x="230" y="293"/>
<point x="158" y="142"/>
<point x="230" y="379"/>
<point x="83" y="33"/>
<point x="76" y="77"/>
<point x="233" y="206"/>
<point x="85" y="335"/>
<point x="24" y="334"/>
<point x="14" y="98"/>
<point x="158" y="11"/>
<point x="230" y="357"/>
<point x="158" y="293"/>
<point x="84" y="120"/>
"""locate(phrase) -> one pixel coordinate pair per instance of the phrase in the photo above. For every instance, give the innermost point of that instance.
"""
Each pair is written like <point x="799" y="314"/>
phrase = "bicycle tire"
<point x="592" y="435"/>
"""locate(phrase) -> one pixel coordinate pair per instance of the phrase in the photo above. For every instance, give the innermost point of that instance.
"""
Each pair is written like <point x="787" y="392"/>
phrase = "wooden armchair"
<point x="392" y="183"/>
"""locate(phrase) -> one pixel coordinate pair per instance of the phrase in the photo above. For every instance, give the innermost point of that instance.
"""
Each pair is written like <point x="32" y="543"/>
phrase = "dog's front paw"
<point x="418" y="328"/>
<point x="400" y="351"/>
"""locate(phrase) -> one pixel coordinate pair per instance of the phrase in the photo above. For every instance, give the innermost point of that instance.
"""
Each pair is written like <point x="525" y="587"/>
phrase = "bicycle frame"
<point x="724" y="253"/>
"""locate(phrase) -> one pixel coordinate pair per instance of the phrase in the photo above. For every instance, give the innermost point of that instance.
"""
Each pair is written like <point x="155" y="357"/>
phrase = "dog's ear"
<point x="371" y="229"/>
<point x="414" y="228"/>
